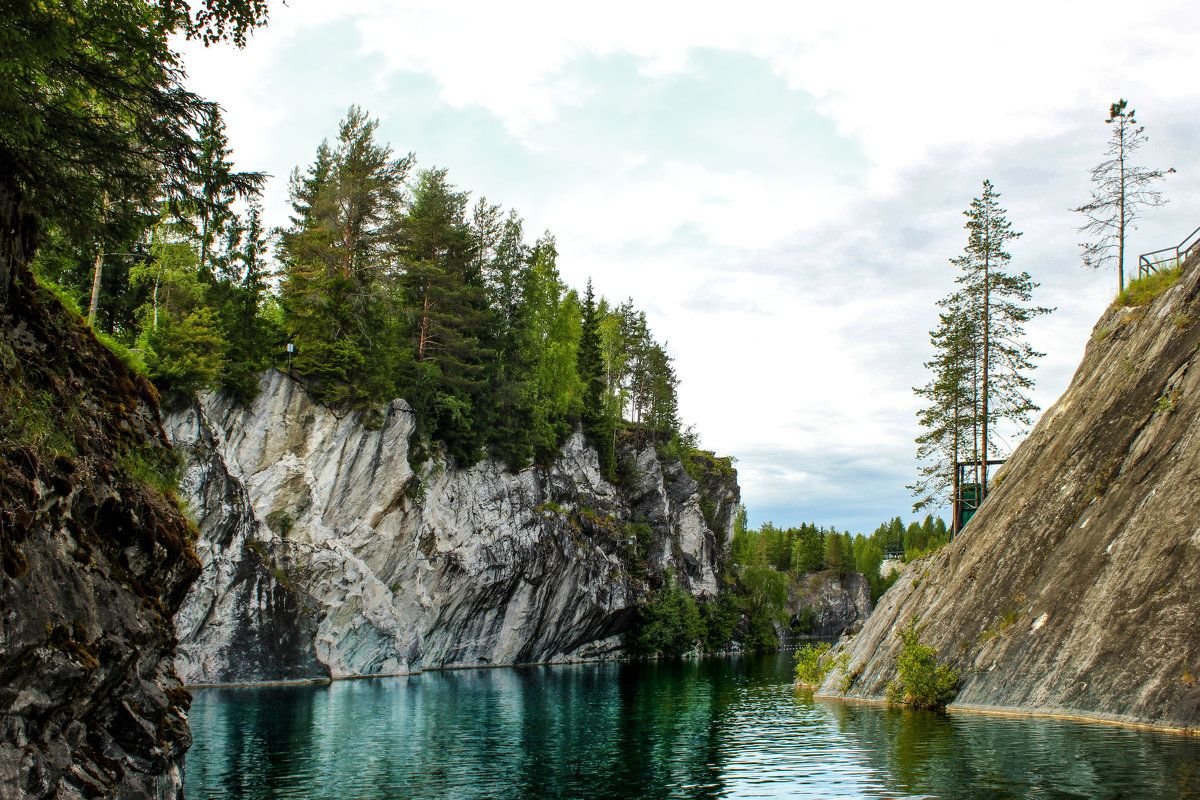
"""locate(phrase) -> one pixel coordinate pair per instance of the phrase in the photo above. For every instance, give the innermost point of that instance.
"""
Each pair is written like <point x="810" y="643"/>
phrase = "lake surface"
<point x="697" y="729"/>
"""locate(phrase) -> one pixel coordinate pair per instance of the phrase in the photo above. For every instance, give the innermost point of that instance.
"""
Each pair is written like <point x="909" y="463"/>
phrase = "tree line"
<point x="388" y="282"/>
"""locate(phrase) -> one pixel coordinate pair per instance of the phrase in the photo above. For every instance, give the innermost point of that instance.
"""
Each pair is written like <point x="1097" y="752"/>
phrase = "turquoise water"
<point x="699" y="729"/>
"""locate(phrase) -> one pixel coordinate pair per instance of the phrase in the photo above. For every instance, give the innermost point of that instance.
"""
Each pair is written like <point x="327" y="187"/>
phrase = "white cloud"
<point x="796" y="298"/>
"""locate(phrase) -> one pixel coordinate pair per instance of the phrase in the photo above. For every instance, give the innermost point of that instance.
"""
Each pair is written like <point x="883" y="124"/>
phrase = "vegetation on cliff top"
<point x="389" y="283"/>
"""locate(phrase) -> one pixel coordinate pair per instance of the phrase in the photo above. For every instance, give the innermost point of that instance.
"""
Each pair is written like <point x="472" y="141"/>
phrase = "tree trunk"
<point x="1121" y="215"/>
<point x="986" y="368"/>
<point x="18" y="237"/>
<point x="423" y="329"/>
<point x="98" y="267"/>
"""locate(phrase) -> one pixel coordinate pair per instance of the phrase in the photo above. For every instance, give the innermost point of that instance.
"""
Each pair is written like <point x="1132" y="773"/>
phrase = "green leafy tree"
<point x="555" y="320"/>
<point x="597" y="424"/>
<point x="670" y="624"/>
<point x="93" y="110"/>
<point x="1120" y="190"/>
<point x="764" y="601"/>
<point x="180" y="340"/>
<point x="921" y="681"/>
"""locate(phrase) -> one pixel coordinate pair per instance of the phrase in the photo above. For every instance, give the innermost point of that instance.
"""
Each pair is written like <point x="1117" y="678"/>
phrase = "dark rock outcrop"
<point x="94" y="564"/>
<point x="1076" y="588"/>
<point x="826" y="604"/>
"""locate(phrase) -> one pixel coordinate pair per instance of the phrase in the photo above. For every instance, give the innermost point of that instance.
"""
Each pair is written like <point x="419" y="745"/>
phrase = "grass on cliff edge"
<point x="1142" y="291"/>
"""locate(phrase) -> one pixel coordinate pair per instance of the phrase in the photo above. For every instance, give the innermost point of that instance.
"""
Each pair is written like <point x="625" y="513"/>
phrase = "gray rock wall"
<point x="326" y="554"/>
<point x="1076" y="588"/>
<point x="831" y="603"/>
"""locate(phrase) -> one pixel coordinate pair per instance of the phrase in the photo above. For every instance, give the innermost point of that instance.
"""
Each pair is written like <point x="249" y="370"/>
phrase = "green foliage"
<point x="669" y="624"/>
<point x="156" y="467"/>
<point x="184" y="355"/>
<point x="764" y="593"/>
<point x="280" y="522"/>
<point x="92" y="103"/>
<point x="812" y="665"/>
<point x="921" y="682"/>
<point x="980" y="374"/>
<point x="719" y="617"/>
<point x="31" y="418"/>
<point x="1143" y="291"/>
<point x="132" y="358"/>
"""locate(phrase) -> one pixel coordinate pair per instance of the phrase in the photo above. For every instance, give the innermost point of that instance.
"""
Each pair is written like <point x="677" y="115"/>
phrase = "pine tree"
<point x="948" y="419"/>
<point x="339" y="259"/>
<point x="1120" y="189"/>
<point x="999" y="302"/>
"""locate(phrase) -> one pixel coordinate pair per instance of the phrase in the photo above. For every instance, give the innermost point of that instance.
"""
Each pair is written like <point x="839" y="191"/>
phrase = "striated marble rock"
<point x="1076" y="588"/>
<point x="326" y="555"/>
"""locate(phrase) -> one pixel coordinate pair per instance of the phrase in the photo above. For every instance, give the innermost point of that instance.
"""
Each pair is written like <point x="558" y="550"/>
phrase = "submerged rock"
<point x="1076" y="588"/>
<point x="326" y="554"/>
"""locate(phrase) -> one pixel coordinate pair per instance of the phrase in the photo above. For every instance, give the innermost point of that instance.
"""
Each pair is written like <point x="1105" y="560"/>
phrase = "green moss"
<point x="34" y="418"/>
<point x="1142" y="291"/>
<point x="280" y="522"/>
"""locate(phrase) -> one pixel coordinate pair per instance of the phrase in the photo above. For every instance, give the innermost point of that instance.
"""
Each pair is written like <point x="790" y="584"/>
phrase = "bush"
<point x="719" y="617"/>
<point x="921" y="682"/>
<point x="669" y="624"/>
<point x="1141" y="291"/>
<point x="811" y="664"/>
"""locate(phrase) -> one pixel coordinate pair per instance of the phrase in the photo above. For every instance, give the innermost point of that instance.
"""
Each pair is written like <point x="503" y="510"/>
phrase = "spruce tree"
<point x="597" y="425"/>
<point x="447" y="337"/>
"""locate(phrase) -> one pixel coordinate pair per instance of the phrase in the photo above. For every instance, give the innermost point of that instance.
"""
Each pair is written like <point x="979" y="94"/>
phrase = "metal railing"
<point x="1169" y="257"/>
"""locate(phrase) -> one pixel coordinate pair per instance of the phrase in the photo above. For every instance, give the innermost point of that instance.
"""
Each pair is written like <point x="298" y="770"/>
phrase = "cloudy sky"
<point x="778" y="184"/>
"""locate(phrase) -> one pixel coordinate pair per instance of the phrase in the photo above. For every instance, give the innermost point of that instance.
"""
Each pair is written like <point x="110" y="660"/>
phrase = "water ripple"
<point x="722" y="728"/>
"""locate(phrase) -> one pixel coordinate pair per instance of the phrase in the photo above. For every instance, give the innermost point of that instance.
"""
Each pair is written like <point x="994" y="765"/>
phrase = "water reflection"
<point x="966" y="756"/>
<point x="715" y="728"/>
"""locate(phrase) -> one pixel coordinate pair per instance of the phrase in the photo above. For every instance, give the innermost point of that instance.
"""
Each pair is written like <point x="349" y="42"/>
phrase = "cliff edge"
<point x="1076" y="588"/>
<point x="327" y="555"/>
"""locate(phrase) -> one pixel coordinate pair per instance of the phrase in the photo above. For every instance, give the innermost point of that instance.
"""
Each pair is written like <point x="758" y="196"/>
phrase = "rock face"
<point x="829" y="604"/>
<point x="94" y="564"/>
<point x="325" y="554"/>
<point x="1076" y="588"/>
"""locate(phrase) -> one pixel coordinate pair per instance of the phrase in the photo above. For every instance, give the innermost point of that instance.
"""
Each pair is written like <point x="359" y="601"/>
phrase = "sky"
<point x="779" y="185"/>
